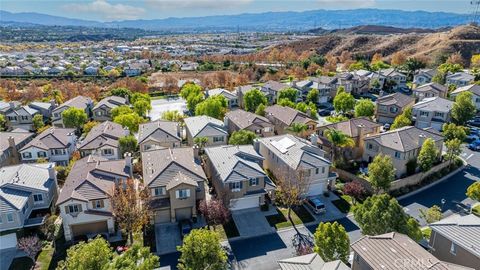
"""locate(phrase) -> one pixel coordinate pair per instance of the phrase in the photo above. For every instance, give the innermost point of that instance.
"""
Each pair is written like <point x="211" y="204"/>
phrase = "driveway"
<point x="168" y="104"/>
<point x="6" y="257"/>
<point x="167" y="237"/>
<point x="251" y="222"/>
<point x="332" y="212"/>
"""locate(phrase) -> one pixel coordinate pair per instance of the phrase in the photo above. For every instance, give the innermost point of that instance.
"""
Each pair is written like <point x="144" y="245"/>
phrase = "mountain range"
<point x="270" y="21"/>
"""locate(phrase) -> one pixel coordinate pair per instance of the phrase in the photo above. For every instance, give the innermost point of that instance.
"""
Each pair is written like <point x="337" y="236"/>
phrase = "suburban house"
<point x="283" y="117"/>
<point x="208" y="127"/>
<point x="459" y="79"/>
<point x="80" y="102"/>
<point x="287" y="154"/>
<point x="21" y="117"/>
<point x="84" y="201"/>
<point x="54" y="144"/>
<point x="11" y="143"/>
<point x="353" y="83"/>
<point x="456" y="239"/>
<point x="176" y="181"/>
<point x="311" y="261"/>
<point x="159" y="134"/>
<point x="102" y="111"/>
<point x="241" y="91"/>
<point x="231" y="97"/>
<point x="355" y="128"/>
<point x="324" y="88"/>
<point x="237" y="175"/>
<point x="271" y="89"/>
<point x="474" y="89"/>
<point x="401" y="144"/>
<point x="102" y="140"/>
<point x="390" y="106"/>
<point x="395" y="251"/>
<point x="396" y="78"/>
<point x="424" y="76"/>
<point x="239" y="119"/>
<point x="6" y="107"/>
<point x="432" y="112"/>
<point x="27" y="195"/>
<point x="430" y="90"/>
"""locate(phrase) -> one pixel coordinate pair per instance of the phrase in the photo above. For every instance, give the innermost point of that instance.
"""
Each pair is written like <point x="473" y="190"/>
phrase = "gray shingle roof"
<point x="433" y="86"/>
<point x="106" y="133"/>
<point x="434" y="104"/>
<point x="462" y="230"/>
<point x="398" y="99"/>
<point x="18" y="137"/>
<point x="79" y="102"/>
<point x="300" y="152"/>
<point x="461" y="76"/>
<point x="474" y="88"/>
<point x="148" y="130"/>
<point x="311" y="262"/>
<point x="197" y="124"/>
<point x="275" y="86"/>
<point x="404" y="139"/>
<point x="287" y="115"/>
<point x="111" y="102"/>
<point x="383" y="251"/>
<point x="244" y="119"/>
<point x="220" y="91"/>
<point x="51" y="138"/>
<point x="235" y="163"/>
<point x="350" y="127"/>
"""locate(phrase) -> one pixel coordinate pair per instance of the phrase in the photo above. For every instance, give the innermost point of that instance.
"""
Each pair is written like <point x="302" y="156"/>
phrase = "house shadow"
<point x="345" y="222"/>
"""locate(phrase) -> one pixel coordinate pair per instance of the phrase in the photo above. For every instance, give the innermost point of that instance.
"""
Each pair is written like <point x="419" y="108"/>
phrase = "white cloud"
<point x="196" y="4"/>
<point x="108" y="11"/>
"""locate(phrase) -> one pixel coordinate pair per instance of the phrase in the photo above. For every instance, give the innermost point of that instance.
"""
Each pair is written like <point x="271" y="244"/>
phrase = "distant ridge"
<point x="269" y="21"/>
<point x="376" y="30"/>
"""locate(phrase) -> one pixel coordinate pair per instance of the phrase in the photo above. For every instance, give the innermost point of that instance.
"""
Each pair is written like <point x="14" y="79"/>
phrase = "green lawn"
<point x="299" y="216"/>
<point x="228" y="230"/>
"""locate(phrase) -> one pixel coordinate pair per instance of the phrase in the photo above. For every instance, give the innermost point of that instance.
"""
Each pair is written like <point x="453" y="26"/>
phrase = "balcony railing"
<point x="36" y="221"/>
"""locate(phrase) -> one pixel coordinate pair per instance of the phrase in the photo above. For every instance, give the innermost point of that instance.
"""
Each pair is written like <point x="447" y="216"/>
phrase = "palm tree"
<point x="201" y="142"/>
<point x="297" y="128"/>
<point x="338" y="140"/>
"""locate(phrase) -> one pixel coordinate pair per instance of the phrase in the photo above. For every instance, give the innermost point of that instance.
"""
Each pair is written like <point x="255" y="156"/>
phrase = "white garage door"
<point x="8" y="241"/>
<point x="244" y="203"/>
<point x="421" y="124"/>
<point x="316" y="189"/>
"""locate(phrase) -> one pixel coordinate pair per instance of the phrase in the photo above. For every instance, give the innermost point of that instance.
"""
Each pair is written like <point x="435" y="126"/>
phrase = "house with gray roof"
<point x="21" y="117"/>
<point x="429" y="90"/>
<point x="472" y="88"/>
<point x="176" y="181"/>
<point x="79" y="102"/>
<point x="397" y="79"/>
<point x="459" y="79"/>
<point x="54" y="144"/>
<point x="456" y="239"/>
<point x="283" y="117"/>
<point x="311" y="261"/>
<point x="325" y="87"/>
<point x="296" y="157"/>
<point x="159" y="134"/>
<point x="102" y="110"/>
<point x="395" y="251"/>
<point x="237" y="175"/>
<point x="231" y="97"/>
<point x="84" y="201"/>
<point x="103" y="140"/>
<point x="205" y="126"/>
<point x="432" y="112"/>
<point x="272" y="90"/>
<point x="11" y="143"/>
<point x="390" y="106"/>
<point x="401" y="144"/>
<point x="27" y="192"/>
<point x="424" y="76"/>
<point x="239" y="119"/>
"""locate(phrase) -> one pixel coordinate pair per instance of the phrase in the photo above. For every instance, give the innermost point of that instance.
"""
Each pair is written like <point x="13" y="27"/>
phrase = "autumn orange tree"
<point x="129" y="209"/>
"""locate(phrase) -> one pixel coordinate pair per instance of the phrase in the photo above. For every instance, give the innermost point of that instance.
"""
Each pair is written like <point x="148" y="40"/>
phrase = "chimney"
<point x="52" y="174"/>
<point x="128" y="162"/>
<point x="179" y="130"/>
<point x="11" y="142"/>
<point x="256" y="145"/>
<point x="196" y="152"/>
<point x="12" y="105"/>
<point x="421" y="139"/>
<point x="15" y="157"/>
<point x="314" y="139"/>
<point x="225" y="121"/>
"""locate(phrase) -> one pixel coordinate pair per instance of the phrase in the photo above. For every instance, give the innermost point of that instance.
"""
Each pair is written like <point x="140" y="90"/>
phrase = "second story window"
<point x="253" y="182"/>
<point x="453" y="249"/>
<point x="9" y="217"/>
<point x="58" y="152"/>
<point x="393" y="109"/>
<point x="397" y="155"/>
<point x="235" y="186"/>
<point x="37" y="198"/>
<point x="422" y="113"/>
<point x="73" y="209"/>
<point x="316" y="170"/>
<point x="159" y="191"/>
<point x="438" y="114"/>
<point x="27" y="155"/>
<point x="97" y="204"/>
<point x="182" y="194"/>
<point x="107" y="152"/>
<point x="24" y="117"/>
<point x="218" y="139"/>
<point x="41" y="154"/>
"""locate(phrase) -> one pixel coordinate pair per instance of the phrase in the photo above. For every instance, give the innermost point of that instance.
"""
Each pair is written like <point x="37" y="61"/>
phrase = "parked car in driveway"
<point x="185" y="227"/>
<point x="475" y="145"/>
<point x="324" y="112"/>
<point x="316" y="205"/>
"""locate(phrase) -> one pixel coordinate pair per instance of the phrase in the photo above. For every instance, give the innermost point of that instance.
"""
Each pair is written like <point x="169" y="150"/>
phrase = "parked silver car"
<point x="316" y="205"/>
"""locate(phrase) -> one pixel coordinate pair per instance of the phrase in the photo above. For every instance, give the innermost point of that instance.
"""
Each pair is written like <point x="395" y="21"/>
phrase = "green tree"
<point x="192" y="93"/>
<point x="120" y="110"/>
<point x="254" y="98"/>
<point x="381" y="214"/>
<point x="242" y="137"/>
<point x="38" y="122"/>
<point x="135" y="258"/>
<point x="121" y="92"/>
<point x="364" y="107"/>
<point x="452" y="131"/>
<point x="473" y="191"/>
<point x="95" y="254"/>
<point x="141" y="107"/>
<point x="172" y="116"/>
<point x="439" y="78"/>
<point x="200" y="141"/>
<point x="2" y="122"/>
<point x="453" y="150"/>
<point x="285" y="102"/>
<point x="463" y="109"/>
<point x="128" y="144"/>
<point x="297" y="128"/>
<point x="88" y="126"/>
<point x="135" y="97"/>
<point x="448" y="67"/>
<point x="381" y="173"/>
<point x="402" y="120"/>
<point x="214" y="106"/>
<point x="260" y="110"/>
<point x="343" y="102"/>
<point x="312" y="95"/>
<point x="74" y="118"/>
<point x="288" y="93"/>
<point x="339" y="140"/>
<point x="412" y="65"/>
<point x="432" y="214"/>
<point x="130" y="121"/>
<point x="201" y="249"/>
<point x="379" y="65"/>
<point x="428" y="155"/>
<point x="332" y="242"/>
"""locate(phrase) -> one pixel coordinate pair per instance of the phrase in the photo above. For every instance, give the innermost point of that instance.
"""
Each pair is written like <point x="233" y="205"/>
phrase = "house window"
<point x="24" y="117"/>
<point x="147" y="147"/>
<point x="73" y="208"/>
<point x="323" y="170"/>
<point x="27" y="155"/>
<point x="422" y="113"/>
<point x="253" y="182"/>
<point x="97" y="204"/>
<point x="477" y="100"/>
<point x="57" y="152"/>
<point x="107" y="152"/>
<point x="393" y="109"/>
<point x="12" y="118"/>
<point x="235" y="186"/>
<point x="9" y="217"/>
<point x="159" y="191"/>
<point x="438" y="114"/>
<point x="397" y="154"/>
<point x="453" y="249"/>
<point x="316" y="170"/>
<point x="99" y="113"/>
<point x="1" y="221"/>
<point x="41" y="154"/>
<point x="183" y="194"/>
<point x="218" y="139"/>
<point x="370" y="146"/>
<point x="37" y="198"/>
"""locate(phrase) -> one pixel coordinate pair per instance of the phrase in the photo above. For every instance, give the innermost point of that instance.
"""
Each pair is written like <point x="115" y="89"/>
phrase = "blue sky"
<point x="108" y="10"/>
